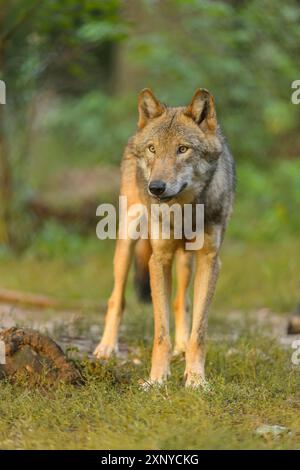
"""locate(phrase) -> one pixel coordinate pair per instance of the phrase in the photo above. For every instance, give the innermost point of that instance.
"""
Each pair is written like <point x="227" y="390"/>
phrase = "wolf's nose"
<point x="157" y="187"/>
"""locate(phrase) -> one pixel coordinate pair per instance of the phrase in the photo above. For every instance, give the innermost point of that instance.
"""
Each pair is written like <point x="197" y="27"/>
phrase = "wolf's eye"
<point x="151" y="148"/>
<point x="182" y="148"/>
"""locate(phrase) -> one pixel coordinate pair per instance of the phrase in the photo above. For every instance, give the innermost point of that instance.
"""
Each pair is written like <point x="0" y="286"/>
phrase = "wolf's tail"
<point x="142" y="279"/>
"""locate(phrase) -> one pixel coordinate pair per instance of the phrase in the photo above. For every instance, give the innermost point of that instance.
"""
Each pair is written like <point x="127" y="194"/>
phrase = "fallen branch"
<point x="17" y="297"/>
<point x="42" y="301"/>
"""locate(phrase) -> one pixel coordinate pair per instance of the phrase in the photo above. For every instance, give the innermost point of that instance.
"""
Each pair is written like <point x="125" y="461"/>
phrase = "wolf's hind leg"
<point x="142" y="276"/>
<point x="184" y="265"/>
<point x="122" y="259"/>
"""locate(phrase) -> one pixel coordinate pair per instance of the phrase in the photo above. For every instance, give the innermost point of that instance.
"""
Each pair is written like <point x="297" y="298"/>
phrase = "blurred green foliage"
<point x="96" y="122"/>
<point x="246" y="53"/>
<point x="95" y="56"/>
<point x="74" y="68"/>
<point x="267" y="202"/>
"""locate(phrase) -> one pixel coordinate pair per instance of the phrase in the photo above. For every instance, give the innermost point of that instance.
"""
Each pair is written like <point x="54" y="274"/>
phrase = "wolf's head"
<point x="177" y="148"/>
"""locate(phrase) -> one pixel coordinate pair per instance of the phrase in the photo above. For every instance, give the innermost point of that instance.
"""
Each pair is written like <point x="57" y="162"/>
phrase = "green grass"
<point x="111" y="412"/>
<point x="254" y="385"/>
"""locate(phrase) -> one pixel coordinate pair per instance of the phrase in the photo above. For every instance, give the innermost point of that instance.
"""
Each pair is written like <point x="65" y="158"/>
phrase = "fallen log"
<point x="31" y="353"/>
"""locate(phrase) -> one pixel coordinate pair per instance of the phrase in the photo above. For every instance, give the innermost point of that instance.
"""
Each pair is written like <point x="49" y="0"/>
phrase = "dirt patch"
<point x="262" y="321"/>
<point x="79" y="332"/>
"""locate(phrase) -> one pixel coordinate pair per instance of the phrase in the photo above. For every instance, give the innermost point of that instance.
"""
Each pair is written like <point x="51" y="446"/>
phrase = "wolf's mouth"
<point x="171" y="196"/>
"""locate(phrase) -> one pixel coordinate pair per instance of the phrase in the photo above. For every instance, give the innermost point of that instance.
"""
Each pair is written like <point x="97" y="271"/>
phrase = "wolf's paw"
<point x="147" y="385"/>
<point x="196" y="381"/>
<point x="105" y="351"/>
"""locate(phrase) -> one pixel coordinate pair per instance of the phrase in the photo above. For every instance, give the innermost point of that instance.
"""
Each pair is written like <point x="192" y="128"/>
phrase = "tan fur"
<point x="184" y="266"/>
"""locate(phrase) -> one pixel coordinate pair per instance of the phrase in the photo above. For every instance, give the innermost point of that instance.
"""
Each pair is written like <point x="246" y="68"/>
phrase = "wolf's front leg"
<point x="184" y="261"/>
<point x="122" y="258"/>
<point x="207" y="268"/>
<point x="160" y="266"/>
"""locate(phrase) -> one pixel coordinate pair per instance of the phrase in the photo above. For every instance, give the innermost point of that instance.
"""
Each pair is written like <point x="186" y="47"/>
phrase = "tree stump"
<point x="294" y="322"/>
<point x="31" y="353"/>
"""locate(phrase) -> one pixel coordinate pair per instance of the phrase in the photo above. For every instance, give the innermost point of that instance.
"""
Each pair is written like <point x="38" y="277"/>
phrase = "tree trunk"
<point x="5" y="170"/>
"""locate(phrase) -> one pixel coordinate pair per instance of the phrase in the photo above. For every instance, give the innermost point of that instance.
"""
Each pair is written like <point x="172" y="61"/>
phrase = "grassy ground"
<point x="110" y="412"/>
<point x="252" y="384"/>
<point x="253" y="381"/>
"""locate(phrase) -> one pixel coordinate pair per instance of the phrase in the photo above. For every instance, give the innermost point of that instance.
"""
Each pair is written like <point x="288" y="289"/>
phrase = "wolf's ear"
<point x="202" y="110"/>
<point x="149" y="107"/>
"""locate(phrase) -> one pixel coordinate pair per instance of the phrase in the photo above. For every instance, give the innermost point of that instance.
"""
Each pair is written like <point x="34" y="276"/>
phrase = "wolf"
<point x="178" y="155"/>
